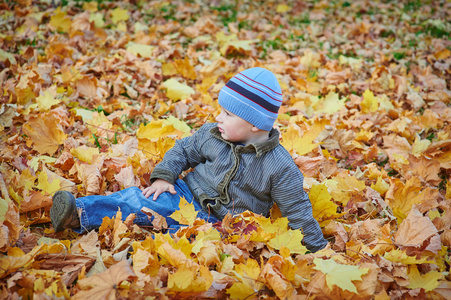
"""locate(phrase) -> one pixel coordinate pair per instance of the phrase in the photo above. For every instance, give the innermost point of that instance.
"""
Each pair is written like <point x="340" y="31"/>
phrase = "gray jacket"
<point x="235" y="178"/>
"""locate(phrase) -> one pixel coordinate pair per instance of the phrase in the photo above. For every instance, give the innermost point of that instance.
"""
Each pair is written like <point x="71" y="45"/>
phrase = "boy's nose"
<point x="218" y="117"/>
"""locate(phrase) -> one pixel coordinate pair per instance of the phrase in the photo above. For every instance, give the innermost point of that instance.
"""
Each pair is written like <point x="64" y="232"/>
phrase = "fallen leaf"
<point x="415" y="230"/>
<point x="176" y="90"/>
<point x="428" y="281"/>
<point x="45" y="133"/>
<point x="340" y="275"/>
<point x="186" y="215"/>
<point x="105" y="285"/>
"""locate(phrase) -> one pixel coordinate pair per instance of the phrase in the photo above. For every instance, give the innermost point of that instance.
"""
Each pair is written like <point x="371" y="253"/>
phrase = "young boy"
<point x="238" y="165"/>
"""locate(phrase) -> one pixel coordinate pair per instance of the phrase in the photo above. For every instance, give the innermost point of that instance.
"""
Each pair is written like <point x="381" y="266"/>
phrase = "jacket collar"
<point x="259" y="148"/>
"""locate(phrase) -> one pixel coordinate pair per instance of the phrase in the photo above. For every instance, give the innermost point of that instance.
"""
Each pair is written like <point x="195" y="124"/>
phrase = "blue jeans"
<point x="131" y="200"/>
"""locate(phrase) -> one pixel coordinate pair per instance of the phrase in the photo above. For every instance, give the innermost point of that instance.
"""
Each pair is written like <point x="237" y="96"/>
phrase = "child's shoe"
<point x="63" y="212"/>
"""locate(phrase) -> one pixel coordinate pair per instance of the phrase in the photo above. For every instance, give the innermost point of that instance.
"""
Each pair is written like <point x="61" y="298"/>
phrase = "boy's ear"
<point x="255" y="129"/>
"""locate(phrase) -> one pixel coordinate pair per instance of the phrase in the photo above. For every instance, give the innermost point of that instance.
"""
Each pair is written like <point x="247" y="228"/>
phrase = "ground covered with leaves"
<point x="94" y="93"/>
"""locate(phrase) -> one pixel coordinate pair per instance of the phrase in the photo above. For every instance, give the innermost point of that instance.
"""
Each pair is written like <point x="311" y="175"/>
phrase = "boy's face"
<point x="234" y="128"/>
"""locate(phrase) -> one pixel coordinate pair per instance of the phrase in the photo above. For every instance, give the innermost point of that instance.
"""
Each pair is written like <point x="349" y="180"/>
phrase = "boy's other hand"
<point x="158" y="187"/>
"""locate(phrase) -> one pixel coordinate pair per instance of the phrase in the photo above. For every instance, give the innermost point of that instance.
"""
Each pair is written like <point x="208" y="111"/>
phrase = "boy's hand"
<point x="158" y="187"/>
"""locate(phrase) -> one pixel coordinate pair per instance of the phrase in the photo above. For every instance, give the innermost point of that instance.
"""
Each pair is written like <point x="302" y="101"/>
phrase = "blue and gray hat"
<point x="254" y="95"/>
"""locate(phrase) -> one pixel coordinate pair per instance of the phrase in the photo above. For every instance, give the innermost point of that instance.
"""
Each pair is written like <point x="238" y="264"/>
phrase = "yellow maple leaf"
<point x="247" y="274"/>
<point x="26" y="179"/>
<point x="311" y="59"/>
<point x="189" y="280"/>
<point x="155" y="129"/>
<point x="240" y="290"/>
<point x="90" y="6"/>
<point x="46" y="101"/>
<point x="186" y="215"/>
<point x="202" y="236"/>
<point x="385" y="103"/>
<point x="291" y="239"/>
<point x="305" y="144"/>
<point x="340" y="275"/>
<point x="168" y="69"/>
<point x="428" y="281"/>
<point x="330" y="104"/>
<point x="322" y="206"/>
<point x="282" y="8"/>
<point x="145" y="51"/>
<point x="60" y="20"/>
<point x="273" y="226"/>
<point x="176" y="90"/>
<point x="369" y="102"/>
<point x="145" y="263"/>
<point x="155" y="150"/>
<point x="45" y="133"/>
<point x="97" y="18"/>
<point x="178" y="124"/>
<point x="345" y="187"/>
<point x="364" y="135"/>
<point x="97" y="123"/>
<point x="70" y="74"/>
<point x="119" y="15"/>
<point x="398" y="255"/>
<point x="380" y="186"/>
<point x="355" y="63"/>
<point x="46" y="186"/>
<point x="250" y="269"/>
<point x="184" y="68"/>
<point x="419" y="145"/>
<point x="84" y="153"/>
<point x="403" y="196"/>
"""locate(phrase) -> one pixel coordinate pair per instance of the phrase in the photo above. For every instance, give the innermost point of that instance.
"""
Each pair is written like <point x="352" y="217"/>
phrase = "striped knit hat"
<point x="254" y="95"/>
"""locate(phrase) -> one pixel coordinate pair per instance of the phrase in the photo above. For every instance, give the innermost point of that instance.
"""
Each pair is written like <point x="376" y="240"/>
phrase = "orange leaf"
<point x="105" y="284"/>
<point x="45" y="133"/>
<point x="415" y="230"/>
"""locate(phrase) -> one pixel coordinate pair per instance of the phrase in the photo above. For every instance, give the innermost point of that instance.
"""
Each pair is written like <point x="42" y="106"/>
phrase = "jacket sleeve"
<point x="185" y="154"/>
<point x="289" y="195"/>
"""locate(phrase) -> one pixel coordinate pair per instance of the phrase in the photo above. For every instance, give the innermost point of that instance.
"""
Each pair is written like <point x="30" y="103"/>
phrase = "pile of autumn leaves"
<point x="95" y="106"/>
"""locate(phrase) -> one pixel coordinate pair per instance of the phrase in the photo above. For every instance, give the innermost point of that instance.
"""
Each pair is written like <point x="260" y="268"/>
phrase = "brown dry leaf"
<point x="90" y="177"/>
<point x="87" y="244"/>
<point x="105" y="285"/>
<point x="395" y="144"/>
<point x="10" y="228"/>
<point x="126" y="178"/>
<point x="309" y="166"/>
<point x="208" y="254"/>
<point x="424" y="168"/>
<point x="446" y="238"/>
<point x="86" y="87"/>
<point x="338" y="231"/>
<point x="367" y="231"/>
<point x="159" y="222"/>
<point x="415" y="231"/>
<point x="34" y="200"/>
